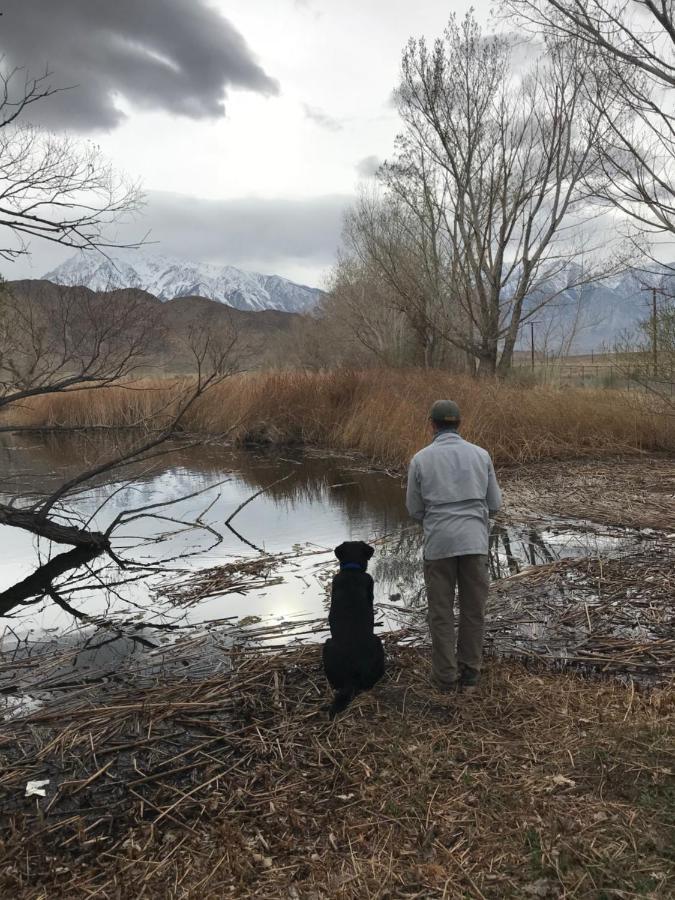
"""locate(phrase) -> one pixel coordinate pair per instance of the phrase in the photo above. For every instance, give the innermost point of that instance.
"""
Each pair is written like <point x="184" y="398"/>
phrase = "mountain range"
<point x="263" y="337"/>
<point x="597" y="315"/>
<point x="591" y="317"/>
<point x="168" y="277"/>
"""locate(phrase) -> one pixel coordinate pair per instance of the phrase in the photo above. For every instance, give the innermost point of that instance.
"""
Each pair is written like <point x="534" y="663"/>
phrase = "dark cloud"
<point x="368" y="166"/>
<point x="272" y="236"/>
<point x="259" y="234"/>
<point x="322" y="119"/>
<point x="171" y="55"/>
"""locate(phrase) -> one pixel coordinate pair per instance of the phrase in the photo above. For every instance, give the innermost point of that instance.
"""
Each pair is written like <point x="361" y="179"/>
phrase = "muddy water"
<point x="311" y="503"/>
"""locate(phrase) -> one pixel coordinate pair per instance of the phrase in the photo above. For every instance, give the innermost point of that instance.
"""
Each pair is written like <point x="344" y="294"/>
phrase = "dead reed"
<point x="236" y="785"/>
<point x="380" y="413"/>
<point x="630" y="493"/>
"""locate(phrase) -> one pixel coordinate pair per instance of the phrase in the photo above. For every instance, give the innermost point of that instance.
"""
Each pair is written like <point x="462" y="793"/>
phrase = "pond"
<point x="267" y="575"/>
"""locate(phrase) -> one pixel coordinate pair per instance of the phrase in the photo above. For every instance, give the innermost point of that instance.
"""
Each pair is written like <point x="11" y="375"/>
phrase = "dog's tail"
<point x="341" y="700"/>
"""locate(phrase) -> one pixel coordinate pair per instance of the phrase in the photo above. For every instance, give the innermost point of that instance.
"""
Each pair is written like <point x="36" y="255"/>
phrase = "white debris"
<point x="36" y="788"/>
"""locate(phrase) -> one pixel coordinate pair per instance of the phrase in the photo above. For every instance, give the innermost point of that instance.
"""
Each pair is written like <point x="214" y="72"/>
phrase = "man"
<point x="452" y="490"/>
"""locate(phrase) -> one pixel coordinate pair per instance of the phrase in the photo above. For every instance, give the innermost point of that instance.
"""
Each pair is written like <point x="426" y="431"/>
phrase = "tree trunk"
<point x="487" y="357"/>
<point x="429" y="348"/>
<point x="487" y="364"/>
<point x="506" y="359"/>
<point x="52" y="531"/>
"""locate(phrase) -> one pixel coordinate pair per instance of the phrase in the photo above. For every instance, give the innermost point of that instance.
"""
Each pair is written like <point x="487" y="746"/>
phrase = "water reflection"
<point x="31" y="463"/>
<point x="321" y="501"/>
<point x="312" y="503"/>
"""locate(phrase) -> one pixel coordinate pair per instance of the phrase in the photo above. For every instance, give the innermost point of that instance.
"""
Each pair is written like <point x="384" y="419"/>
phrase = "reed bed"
<point x="236" y="784"/>
<point x="600" y="614"/>
<point x="626" y="492"/>
<point x="379" y="413"/>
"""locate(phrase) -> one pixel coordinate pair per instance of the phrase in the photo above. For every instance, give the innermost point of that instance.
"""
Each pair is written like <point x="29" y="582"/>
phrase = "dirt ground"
<point x="542" y="785"/>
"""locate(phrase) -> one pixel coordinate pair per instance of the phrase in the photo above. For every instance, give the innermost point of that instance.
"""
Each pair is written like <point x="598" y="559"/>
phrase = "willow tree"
<point x="513" y="154"/>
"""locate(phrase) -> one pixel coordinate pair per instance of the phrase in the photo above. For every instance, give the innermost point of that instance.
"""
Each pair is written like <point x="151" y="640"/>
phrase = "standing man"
<point x="452" y="490"/>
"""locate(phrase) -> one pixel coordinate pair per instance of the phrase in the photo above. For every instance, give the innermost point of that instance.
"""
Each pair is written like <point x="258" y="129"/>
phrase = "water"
<point x="312" y="502"/>
<point x="321" y="502"/>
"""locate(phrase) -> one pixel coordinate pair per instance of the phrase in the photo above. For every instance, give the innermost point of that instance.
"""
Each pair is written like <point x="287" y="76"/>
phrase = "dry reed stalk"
<point x="382" y="414"/>
<point x="622" y="493"/>
<point x="237" y="785"/>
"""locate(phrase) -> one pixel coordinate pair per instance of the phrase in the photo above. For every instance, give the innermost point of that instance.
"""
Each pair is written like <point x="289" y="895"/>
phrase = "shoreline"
<point x="549" y="782"/>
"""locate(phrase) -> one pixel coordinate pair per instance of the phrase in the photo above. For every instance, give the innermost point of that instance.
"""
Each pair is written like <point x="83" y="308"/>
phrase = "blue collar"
<point x="357" y="566"/>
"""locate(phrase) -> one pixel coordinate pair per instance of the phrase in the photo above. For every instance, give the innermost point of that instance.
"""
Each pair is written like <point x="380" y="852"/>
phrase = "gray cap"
<point x="445" y="412"/>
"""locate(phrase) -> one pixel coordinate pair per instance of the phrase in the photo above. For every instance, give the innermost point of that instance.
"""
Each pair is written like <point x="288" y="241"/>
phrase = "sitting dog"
<point x="353" y="656"/>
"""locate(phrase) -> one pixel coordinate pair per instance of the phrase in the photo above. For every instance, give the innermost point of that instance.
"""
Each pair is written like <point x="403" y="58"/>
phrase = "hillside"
<point x="258" y="333"/>
<point x="594" y="316"/>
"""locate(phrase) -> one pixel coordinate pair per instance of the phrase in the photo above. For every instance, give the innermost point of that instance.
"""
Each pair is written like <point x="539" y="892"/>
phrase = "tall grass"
<point x="381" y="413"/>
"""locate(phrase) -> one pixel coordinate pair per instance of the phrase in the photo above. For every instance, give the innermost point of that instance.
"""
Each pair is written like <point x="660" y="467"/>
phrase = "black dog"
<point x="353" y="656"/>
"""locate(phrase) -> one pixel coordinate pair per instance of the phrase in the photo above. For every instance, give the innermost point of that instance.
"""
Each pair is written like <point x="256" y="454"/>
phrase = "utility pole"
<point x="654" y="331"/>
<point x="654" y="334"/>
<point x="532" y="324"/>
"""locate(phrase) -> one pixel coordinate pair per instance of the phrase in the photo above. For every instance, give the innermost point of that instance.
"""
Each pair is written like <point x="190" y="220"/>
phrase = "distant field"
<point x="523" y="357"/>
<point x="380" y="413"/>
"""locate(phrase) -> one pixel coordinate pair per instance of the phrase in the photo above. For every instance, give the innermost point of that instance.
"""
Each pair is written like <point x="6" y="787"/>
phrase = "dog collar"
<point x="351" y="566"/>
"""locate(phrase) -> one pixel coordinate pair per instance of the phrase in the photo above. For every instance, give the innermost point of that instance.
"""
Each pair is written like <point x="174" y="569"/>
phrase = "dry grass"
<point x="145" y="401"/>
<point x="540" y="785"/>
<point x="382" y="414"/>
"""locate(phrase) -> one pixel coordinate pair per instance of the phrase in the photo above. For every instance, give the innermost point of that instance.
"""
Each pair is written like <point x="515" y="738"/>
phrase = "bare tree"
<point x="55" y="339"/>
<point x="52" y="187"/>
<point x="640" y="33"/>
<point x="59" y="341"/>
<point x="514" y="154"/>
<point x="630" y="45"/>
<point x="645" y="355"/>
<point x="47" y="514"/>
<point x="400" y="234"/>
<point x="370" y="312"/>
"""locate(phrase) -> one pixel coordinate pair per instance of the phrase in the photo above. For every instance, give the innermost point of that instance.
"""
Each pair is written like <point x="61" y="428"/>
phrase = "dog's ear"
<point x="340" y="552"/>
<point x="367" y="550"/>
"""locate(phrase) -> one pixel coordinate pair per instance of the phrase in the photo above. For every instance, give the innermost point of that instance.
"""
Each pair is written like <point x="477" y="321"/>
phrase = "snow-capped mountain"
<point x="595" y="316"/>
<point x="167" y="277"/>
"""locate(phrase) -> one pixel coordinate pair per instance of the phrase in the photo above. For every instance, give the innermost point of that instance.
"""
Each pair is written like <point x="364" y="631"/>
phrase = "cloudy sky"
<point x="248" y="122"/>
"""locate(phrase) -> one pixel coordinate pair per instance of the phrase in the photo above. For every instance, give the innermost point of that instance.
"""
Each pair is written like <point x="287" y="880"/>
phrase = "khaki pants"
<point x="470" y="574"/>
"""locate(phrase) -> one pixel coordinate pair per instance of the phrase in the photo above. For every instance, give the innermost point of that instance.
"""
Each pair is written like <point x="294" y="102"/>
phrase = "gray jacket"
<point x="452" y="490"/>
